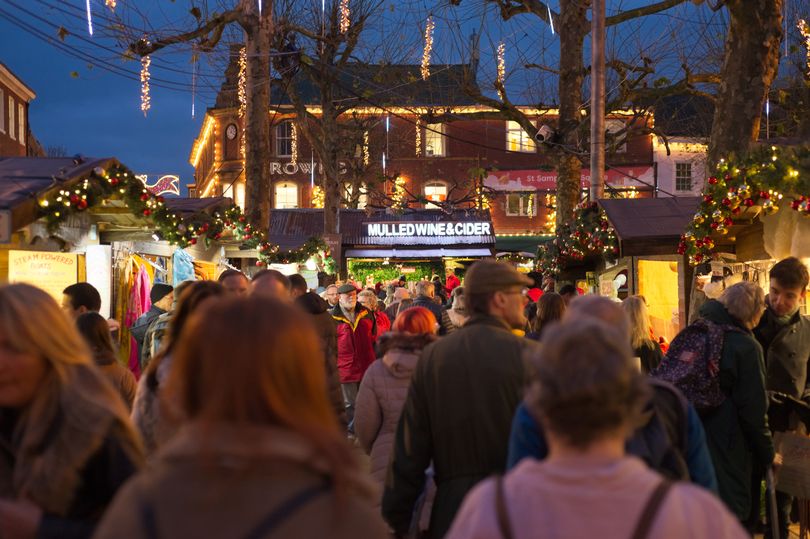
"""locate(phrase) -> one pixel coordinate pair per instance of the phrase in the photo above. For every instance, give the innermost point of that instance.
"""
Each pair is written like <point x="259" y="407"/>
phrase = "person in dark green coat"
<point x="461" y="401"/>
<point x="737" y="431"/>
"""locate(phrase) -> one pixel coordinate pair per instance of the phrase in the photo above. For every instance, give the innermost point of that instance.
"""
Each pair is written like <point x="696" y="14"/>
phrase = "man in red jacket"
<point x="355" y="345"/>
<point x="452" y="281"/>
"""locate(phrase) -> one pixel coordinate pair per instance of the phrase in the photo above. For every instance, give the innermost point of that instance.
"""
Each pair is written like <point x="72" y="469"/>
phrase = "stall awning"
<point x="520" y="244"/>
<point x="417" y="253"/>
<point x="650" y="226"/>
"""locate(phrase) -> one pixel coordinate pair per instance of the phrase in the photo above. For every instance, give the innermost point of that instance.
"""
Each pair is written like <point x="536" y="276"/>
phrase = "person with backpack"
<point x="588" y="395"/>
<point x="718" y="365"/>
<point x="670" y="438"/>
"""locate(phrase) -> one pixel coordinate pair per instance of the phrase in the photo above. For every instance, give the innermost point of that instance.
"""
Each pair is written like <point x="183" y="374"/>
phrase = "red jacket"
<point x="451" y="283"/>
<point x="355" y="344"/>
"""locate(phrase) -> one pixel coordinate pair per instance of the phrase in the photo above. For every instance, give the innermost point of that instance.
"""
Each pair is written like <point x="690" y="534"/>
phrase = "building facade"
<point x="15" y="98"/>
<point x="398" y="156"/>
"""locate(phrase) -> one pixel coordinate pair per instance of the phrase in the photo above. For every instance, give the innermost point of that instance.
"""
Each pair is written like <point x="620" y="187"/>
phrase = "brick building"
<point x="15" y="97"/>
<point x="398" y="151"/>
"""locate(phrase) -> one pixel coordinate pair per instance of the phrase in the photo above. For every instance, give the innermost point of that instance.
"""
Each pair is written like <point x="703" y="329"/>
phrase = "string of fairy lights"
<point x="501" y="69"/>
<point x="146" y="100"/>
<point x="429" y="26"/>
<point x="804" y="30"/>
<point x="345" y="16"/>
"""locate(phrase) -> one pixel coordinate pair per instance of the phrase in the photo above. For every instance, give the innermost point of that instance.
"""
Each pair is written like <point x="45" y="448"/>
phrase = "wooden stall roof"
<point x="650" y="226"/>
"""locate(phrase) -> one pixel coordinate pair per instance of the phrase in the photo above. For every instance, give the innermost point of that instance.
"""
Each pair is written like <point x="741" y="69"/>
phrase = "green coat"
<point x="458" y="415"/>
<point x="737" y="431"/>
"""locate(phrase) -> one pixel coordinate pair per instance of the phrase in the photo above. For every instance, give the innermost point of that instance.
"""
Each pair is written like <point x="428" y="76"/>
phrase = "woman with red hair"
<point x="385" y="385"/>
<point x="261" y="453"/>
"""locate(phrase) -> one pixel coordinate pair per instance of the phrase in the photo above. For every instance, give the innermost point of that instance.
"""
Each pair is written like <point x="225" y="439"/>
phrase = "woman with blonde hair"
<point x="67" y="442"/>
<point x="261" y="453"/>
<point x="588" y="396"/>
<point x="640" y="330"/>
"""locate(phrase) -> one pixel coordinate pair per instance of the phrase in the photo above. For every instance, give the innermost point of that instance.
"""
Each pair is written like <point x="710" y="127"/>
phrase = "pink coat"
<point x="588" y="497"/>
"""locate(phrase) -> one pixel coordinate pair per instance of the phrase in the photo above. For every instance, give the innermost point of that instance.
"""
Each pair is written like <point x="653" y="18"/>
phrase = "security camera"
<point x="544" y="134"/>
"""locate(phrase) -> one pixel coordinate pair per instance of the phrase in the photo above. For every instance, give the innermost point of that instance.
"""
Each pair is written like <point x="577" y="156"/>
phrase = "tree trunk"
<point x="257" y="117"/>
<point x="749" y="67"/>
<point x="573" y="18"/>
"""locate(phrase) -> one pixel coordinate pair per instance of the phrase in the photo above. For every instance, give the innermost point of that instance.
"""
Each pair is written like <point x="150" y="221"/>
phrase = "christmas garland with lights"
<point x="118" y="182"/>
<point x="588" y="235"/>
<point x="762" y="180"/>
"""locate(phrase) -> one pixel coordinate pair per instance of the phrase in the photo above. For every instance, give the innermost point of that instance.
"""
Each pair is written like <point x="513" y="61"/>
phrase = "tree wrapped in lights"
<point x="146" y="100"/>
<point x="428" y="50"/>
<point x="768" y="179"/>
<point x="588" y="235"/>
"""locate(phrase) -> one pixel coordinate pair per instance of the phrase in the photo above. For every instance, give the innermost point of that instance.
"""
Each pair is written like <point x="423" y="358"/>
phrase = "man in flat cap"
<point x="355" y="344"/>
<point x="461" y="401"/>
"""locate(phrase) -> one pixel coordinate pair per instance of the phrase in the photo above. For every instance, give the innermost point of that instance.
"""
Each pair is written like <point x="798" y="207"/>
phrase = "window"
<point x="434" y="140"/>
<point x="518" y="140"/>
<point x="521" y="204"/>
<point x="11" y="131"/>
<point x="362" y="197"/>
<point x="435" y="191"/>
<point x="284" y="139"/>
<point x="613" y="126"/>
<point x="286" y="195"/>
<point x="236" y="191"/>
<point x="2" y="112"/>
<point x="683" y="176"/>
<point x="21" y="122"/>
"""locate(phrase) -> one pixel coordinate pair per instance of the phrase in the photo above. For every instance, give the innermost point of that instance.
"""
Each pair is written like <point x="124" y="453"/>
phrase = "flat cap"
<point x="347" y="288"/>
<point x="490" y="276"/>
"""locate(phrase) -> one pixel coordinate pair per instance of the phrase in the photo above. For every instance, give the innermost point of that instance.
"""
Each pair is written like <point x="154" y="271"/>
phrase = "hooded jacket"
<point x="737" y="431"/>
<point x="325" y="327"/>
<point x="382" y="395"/>
<point x="355" y="343"/>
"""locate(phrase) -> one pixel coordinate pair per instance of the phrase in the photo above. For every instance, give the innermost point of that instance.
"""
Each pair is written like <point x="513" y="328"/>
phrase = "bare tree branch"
<point x="641" y="12"/>
<point x="211" y="31"/>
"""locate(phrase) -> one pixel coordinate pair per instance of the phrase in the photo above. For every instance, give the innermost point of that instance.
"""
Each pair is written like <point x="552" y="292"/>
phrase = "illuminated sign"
<point x="301" y="167"/>
<point x="50" y="271"/>
<point x="453" y="228"/>
<point x="166" y="184"/>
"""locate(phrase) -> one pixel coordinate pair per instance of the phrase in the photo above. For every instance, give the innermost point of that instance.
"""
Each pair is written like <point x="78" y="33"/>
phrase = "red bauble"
<point x="713" y="180"/>
<point x="681" y="249"/>
<point x="698" y="258"/>
<point x="698" y="243"/>
<point x="114" y="181"/>
<point x="144" y="197"/>
<point x="728" y="221"/>
<point x="217" y="235"/>
<point x="725" y="202"/>
<point x="764" y="194"/>
<point x="259" y="263"/>
<point x="193" y="241"/>
<point x="82" y="204"/>
<point x="714" y="224"/>
<point x="708" y="199"/>
<point x="795" y="204"/>
<point x="728" y="177"/>
<point x="749" y="202"/>
<point x="74" y="199"/>
<point x="737" y="210"/>
<point x="242" y="219"/>
<point x="147" y="212"/>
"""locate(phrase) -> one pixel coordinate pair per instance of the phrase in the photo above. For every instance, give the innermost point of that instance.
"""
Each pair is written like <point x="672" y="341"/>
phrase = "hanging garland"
<point x="118" y="182"/>
<point x="589" y="234"/>
<point x="760" y="181"/>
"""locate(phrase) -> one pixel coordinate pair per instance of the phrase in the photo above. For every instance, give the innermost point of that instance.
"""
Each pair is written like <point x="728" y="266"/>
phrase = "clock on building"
<point x="230" y="132"/>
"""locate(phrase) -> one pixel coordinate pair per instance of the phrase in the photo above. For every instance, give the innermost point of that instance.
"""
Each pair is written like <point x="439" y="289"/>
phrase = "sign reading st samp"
<point x="427" y="230"/>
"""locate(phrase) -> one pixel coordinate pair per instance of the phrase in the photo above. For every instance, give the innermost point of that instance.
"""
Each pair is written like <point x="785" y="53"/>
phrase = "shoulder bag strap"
<point x="650" y="511"/>
<point x="504" y="525"/>
<point x="286" y="510"/>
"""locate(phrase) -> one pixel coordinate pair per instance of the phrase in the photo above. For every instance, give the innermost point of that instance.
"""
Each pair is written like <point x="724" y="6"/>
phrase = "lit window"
<point x="518" y="140"/>
<point x="521" y="204"/>
<point x="434" y="140"/>
<point x="21" y="122"/>
<point x="286" y="195"/>
<point x="614" y="126"/>
<point x="361" y="198"/>
<point x="236" y="191"/>
<point x="683" y="176"/>
<point x="11" y="131"/>
<point x="284" y="139"/>
<point x="435" y="191"/>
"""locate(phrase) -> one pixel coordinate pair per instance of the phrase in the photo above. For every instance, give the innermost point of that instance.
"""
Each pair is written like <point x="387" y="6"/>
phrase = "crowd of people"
<point x="488" y="407"/>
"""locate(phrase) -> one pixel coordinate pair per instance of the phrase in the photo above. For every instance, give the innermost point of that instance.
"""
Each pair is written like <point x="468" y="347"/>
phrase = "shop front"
<point x="383" y="245"/>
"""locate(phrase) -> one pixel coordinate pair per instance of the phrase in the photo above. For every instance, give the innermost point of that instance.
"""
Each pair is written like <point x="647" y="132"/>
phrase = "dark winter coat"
<point x="355" y="343"/>
<point x="650" y="354"/>
<point x="142" y="323"/>
<point x="445" y="325"/>
<point x="458" y="414"/>
<point x="325" y="327"/>
<point x="787" y="355"/>
<point x="737" y="431"/>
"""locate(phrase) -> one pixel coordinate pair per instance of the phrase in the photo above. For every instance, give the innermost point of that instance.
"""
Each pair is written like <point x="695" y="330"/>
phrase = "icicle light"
<point x="193" y="82"/>
<point x="241" y="90"/>
<point x="418" y="137"/>
<point x="146" y="102"/>
<point x="804" y="30"/>
<point x="366" y="153"/>
<point x="501" y="68"/>
<point x="89" y="18"/>
<point x="428" y="48"/>
<point x="344" y="16"/>
<point x="293" y="144"/>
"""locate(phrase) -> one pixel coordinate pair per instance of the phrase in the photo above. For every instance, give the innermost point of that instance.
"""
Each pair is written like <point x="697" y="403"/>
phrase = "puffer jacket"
<point x="382" y="395"/>
<point x="355" y="343"/>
